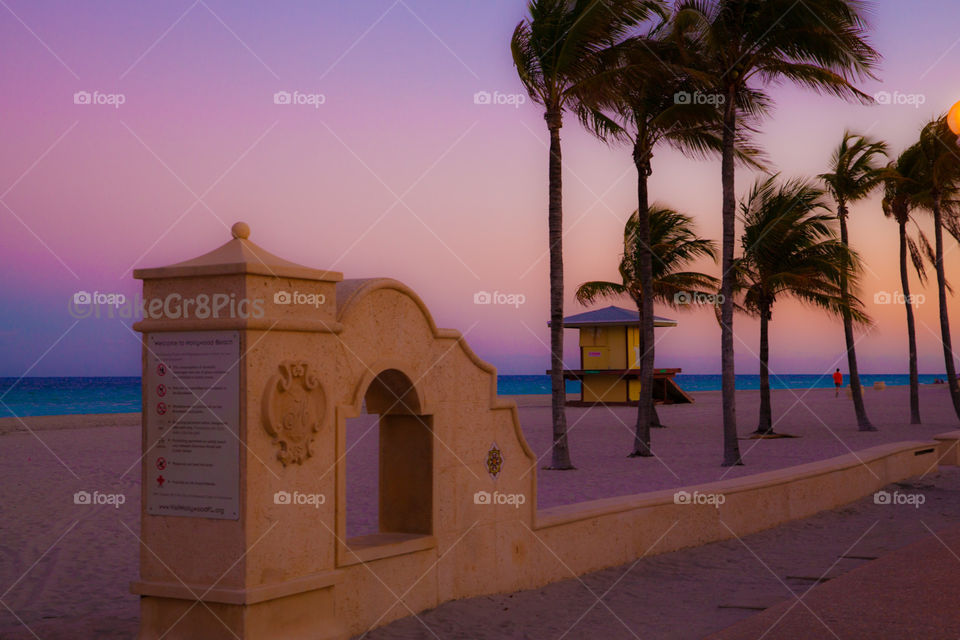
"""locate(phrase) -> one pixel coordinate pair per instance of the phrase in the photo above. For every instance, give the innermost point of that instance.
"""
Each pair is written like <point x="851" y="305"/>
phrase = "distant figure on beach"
<point x="837" y="383"/>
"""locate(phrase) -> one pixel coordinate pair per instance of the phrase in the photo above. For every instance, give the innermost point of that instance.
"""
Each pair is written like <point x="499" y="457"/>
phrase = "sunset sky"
<point x="397" y="173"/>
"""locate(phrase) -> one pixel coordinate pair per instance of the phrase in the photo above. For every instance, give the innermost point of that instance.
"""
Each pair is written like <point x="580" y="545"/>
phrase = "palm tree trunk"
<point x="731" y="447"/>
<point x="655" y="418"/>
<point x="561" y="452"/>
<point x="641" y="436"/>
<point x="765" y="425"/>
<point x="641" y="445"/>
<point x="862" y="420"/>
<point x="944" y="317"/>
<point x="911" y="328"/>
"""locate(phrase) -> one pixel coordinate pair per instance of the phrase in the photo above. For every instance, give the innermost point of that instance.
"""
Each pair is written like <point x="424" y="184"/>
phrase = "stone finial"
<point x="240" y="230"/>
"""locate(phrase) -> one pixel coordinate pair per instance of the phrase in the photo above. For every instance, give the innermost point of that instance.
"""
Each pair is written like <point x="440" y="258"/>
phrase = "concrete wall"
<point x="514" y="553"/>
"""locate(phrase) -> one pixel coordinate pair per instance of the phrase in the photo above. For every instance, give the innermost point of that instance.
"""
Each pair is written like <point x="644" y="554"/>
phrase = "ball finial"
<point x="240" y="230"/>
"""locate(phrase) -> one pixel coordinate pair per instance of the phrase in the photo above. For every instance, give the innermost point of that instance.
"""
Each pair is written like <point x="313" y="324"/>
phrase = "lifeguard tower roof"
<point x="611" y="316"/>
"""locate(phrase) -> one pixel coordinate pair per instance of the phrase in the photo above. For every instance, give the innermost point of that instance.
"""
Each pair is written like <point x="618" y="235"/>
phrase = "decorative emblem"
<point x="494" y="461"/>
<point x="293" y="410"/>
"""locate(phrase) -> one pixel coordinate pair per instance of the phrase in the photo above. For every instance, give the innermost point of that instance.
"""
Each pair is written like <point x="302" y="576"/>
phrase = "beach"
<point x="66" y="567"/>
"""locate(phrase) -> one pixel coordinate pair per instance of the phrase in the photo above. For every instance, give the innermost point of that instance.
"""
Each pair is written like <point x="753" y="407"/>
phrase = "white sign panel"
<point x="192" y="396"/>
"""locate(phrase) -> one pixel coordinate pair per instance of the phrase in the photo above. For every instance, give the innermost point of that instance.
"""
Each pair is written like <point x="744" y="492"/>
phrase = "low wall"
<point x="570" y="540"/>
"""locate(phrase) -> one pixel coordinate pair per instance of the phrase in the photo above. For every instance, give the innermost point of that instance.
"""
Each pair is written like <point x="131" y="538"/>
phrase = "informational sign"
<point x="192" y="407"/>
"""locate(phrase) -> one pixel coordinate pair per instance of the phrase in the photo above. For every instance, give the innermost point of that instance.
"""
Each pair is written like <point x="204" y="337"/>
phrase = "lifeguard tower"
<point x="610" y="360"/>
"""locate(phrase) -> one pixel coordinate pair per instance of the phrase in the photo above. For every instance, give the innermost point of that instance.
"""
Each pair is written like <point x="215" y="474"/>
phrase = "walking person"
<point x="837" y="382"/>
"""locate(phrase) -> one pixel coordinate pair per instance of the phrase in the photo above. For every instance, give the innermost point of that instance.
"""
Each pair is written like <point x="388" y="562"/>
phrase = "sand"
<point x="65" y="568"/>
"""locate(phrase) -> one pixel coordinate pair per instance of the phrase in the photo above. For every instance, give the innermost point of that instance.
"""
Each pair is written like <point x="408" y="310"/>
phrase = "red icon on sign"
<point x="160" y="481"/>
<point x="161" y="463"/>
<point x="161" y="369"/>
<point x="161" y="408"/>
<point x="161" y="390"/>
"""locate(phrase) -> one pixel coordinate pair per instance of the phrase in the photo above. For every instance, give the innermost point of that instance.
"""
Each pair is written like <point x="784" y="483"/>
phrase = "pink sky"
<point x="398" y="173"/>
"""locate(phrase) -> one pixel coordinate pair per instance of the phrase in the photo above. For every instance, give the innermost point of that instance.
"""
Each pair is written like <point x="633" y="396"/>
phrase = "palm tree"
<point x="940" y="176"/>
<point x="747" y="44"/>
<point x="556" y="50"/>
<point x="648" y="103"/>
<point x="674" y="244"/>
<point x="901" y="191"/>
<point x="854" y="173"/>
<point x="791" y="249"/>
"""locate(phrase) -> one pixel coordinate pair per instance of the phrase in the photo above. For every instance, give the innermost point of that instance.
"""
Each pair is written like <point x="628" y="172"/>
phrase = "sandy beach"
<point x="66" y="567"/>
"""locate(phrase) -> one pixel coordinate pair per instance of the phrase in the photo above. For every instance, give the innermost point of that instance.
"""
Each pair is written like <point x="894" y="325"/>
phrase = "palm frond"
<point x="589" y="292"/>
<point x="790" y="249"/>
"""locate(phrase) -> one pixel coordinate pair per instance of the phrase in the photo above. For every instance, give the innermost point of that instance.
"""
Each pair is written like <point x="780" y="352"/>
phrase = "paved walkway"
<point x="866" y="589"/>
<point x="909" y="593"/>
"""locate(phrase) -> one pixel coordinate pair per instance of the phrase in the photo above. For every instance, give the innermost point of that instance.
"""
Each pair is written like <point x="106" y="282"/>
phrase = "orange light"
<point x="953" y="118"/>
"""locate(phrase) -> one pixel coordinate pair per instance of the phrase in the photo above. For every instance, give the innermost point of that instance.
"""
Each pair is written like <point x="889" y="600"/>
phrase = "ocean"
<point x="61" y="396"/>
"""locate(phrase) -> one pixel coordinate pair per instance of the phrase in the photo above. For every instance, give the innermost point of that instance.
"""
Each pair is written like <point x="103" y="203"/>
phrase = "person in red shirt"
<point x="838" y="382"/>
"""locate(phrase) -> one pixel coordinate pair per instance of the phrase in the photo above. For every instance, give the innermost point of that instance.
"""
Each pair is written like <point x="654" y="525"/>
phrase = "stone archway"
<point x="403" y="487"/>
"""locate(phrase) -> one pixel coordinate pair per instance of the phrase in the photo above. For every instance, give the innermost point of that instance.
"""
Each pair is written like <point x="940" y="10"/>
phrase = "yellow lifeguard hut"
<point x="610" y="359"/>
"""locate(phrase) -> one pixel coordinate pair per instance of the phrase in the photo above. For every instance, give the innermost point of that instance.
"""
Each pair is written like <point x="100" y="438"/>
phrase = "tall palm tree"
<point x="818" y="44"/>
<point x="650" y="102"/>
<point x="941" y="175"/>
<point x="854" y="174"/>
<point x="901" y="191"/>
<point x="556" y="50"/>
<point x="674" y="244"/>
<point x="790" y="249"/>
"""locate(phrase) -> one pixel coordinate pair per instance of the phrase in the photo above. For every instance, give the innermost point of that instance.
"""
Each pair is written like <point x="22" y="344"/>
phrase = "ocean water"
<point x="61" y="396"/>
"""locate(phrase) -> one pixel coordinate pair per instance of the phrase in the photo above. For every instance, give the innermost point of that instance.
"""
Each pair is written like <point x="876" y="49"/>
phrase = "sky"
<point x="135" y="134"/>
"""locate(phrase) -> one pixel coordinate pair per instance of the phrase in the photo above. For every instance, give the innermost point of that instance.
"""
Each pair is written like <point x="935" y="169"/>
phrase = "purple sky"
<point x="398" y="173"/>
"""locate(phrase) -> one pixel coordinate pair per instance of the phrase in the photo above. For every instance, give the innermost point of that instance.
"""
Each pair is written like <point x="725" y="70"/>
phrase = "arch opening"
<point x="389" y="463"/>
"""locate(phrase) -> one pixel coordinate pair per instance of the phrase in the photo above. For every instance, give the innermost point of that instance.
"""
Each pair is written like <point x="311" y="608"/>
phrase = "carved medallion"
<point x="293" y="410"/>
<point x="494" y="461"/>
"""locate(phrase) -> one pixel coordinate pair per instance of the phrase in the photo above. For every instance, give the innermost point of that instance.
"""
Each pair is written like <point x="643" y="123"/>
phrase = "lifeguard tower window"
<point x="389" y="459"/>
